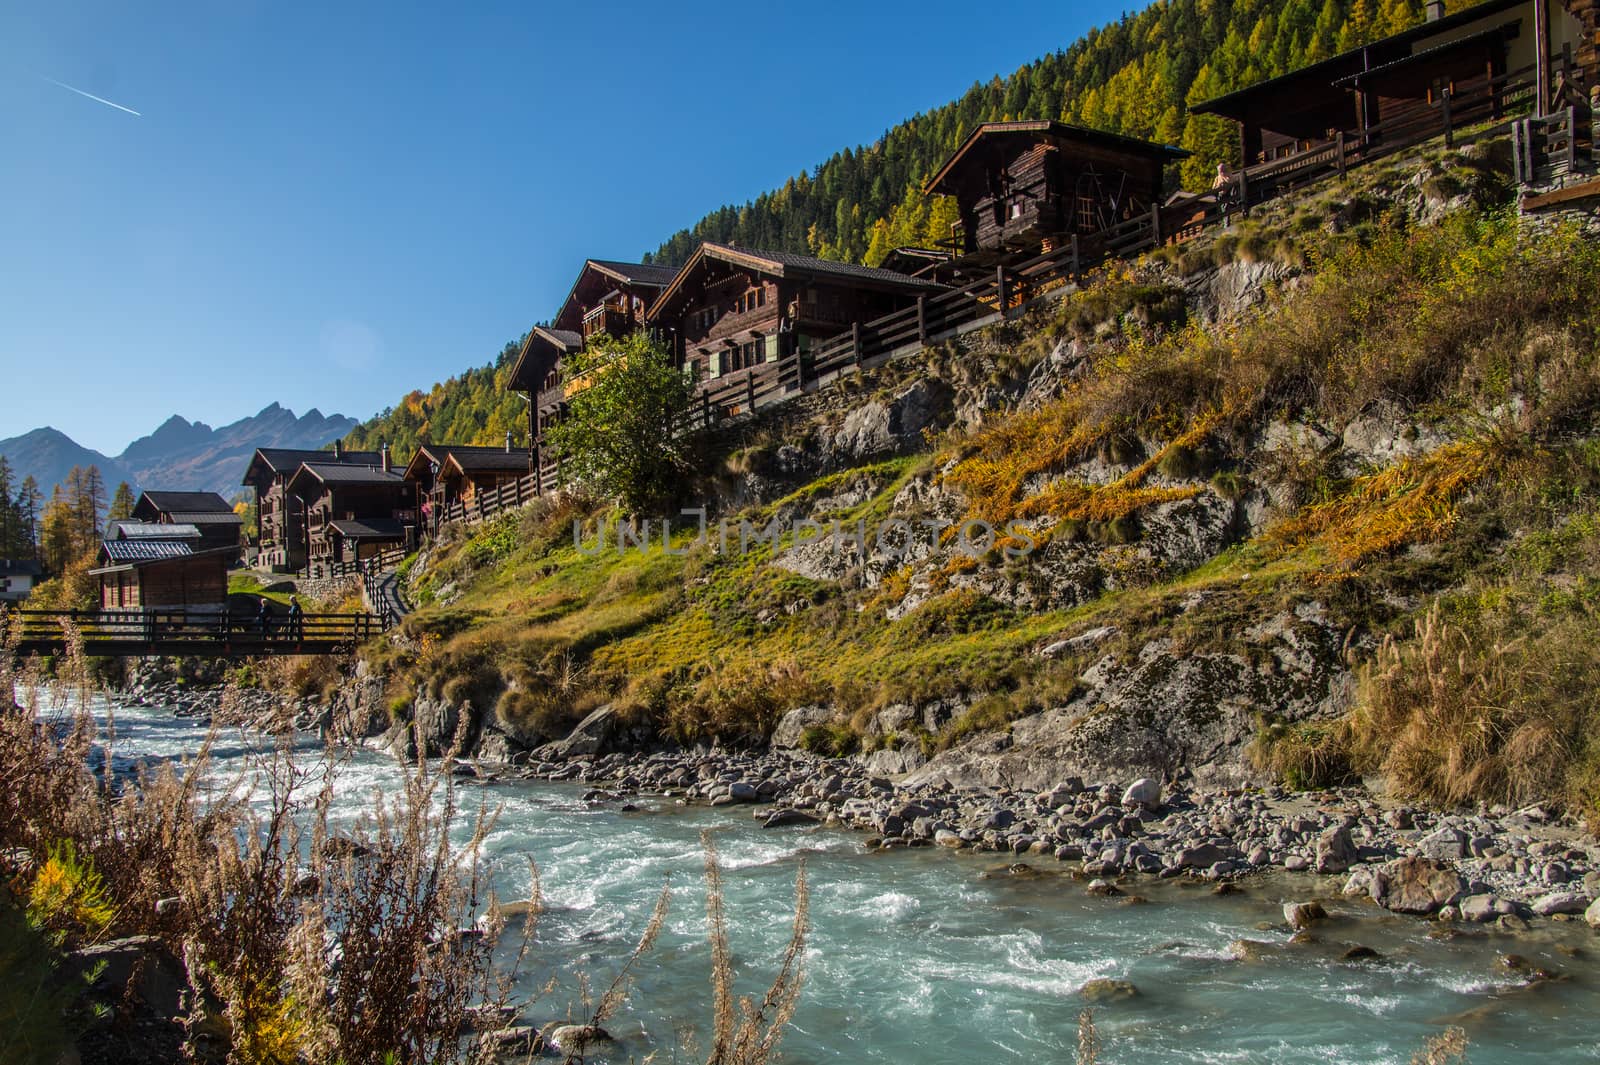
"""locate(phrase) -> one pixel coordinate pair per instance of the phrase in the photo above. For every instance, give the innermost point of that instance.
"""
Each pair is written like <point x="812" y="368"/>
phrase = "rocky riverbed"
<point x="1496" y="865"/>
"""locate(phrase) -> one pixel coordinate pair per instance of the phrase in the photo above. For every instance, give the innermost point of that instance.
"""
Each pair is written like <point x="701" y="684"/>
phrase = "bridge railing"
<point x="100" y="631"/>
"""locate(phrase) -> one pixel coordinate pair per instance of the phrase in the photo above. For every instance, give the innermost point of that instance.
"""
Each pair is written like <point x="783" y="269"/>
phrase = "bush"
<point x="831" y="740"/>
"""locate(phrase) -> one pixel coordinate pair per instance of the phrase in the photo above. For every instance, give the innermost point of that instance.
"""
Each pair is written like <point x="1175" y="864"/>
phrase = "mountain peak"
<point x="180" y="455"/>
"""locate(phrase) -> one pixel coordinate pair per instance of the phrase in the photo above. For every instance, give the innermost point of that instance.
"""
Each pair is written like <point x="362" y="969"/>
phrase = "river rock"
<point x="1336" y="851"/>
<point x="1484" y="908"/>
<point x="784" y="818"/>
<point x="1445" y="845"/>
<point x="1303" y="914"/>
<point x="792" y="726"/>
<point x="1143" y="792"/>
<point x="744" y="791"/>
<point x="1559" y="902"/>
<point x="946" y="838"/>
<point x="1107" y="990"/>
<point x="571" y="1039"/>
<point x="138" y="965"/>
<point x="1415" y="885"/>
<point x="1592" y="914"/>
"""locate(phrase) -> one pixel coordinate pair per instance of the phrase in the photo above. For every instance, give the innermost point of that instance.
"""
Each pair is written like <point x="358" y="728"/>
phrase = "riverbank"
<point x="1508" y="868"/>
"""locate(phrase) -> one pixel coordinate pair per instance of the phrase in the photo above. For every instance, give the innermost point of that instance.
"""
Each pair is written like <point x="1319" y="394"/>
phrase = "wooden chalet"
<point x="208" y="512"/>
<point x="1025" y="186"/>
<point x="351" y="512"/>
<point x="280" y="516"/>
<point x="1372" y="92"/>
<point x="448" y="474"/>
<point x="146" y="572"/>
<point x="735" y="313"/>
<point x="608" y="298"/>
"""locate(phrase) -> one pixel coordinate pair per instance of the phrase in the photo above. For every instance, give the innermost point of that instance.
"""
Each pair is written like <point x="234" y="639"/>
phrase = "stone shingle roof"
<point x="145" y="550"/>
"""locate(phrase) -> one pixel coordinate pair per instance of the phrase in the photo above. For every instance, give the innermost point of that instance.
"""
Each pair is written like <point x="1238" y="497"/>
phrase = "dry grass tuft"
<point x="747" y="1032"/>
<point x="1501" y="707"/>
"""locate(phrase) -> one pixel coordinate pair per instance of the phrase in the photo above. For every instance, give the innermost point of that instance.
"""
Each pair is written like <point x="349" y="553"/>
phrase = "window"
<point x="714" y="364"/>
<point x="769" y="346"/>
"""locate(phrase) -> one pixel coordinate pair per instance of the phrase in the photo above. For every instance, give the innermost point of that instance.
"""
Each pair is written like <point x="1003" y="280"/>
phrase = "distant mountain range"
<point x="179" y="456"/>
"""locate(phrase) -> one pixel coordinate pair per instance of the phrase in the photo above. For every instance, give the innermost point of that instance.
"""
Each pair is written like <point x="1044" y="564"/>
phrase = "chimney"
<point x="383" y="456"/>
<point x="338" y="450"/>
<point x="508" y="441"/>
<point x="1433" y="10"/>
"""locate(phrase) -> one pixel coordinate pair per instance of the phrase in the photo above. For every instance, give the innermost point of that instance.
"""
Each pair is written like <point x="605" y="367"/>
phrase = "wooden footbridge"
<point x="135" y="633"/>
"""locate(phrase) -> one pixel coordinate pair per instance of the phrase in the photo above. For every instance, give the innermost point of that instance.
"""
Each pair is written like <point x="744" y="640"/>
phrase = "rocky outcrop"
<point x="1163" y="710"/>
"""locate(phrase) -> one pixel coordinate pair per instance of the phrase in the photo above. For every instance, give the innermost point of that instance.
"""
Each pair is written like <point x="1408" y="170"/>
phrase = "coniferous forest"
<point x="1136" y="77"/>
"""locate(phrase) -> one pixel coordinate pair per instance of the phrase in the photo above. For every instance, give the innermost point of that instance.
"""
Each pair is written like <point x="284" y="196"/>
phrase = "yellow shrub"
<point x="68" y="893"/>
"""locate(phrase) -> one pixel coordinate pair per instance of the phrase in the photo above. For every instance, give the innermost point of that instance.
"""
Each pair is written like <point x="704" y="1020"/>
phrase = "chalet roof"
<point x="1276" y="93"/>
<point x="140" y="550"/>
<point x="542" y="343"/>
<point x="20" y="567"/>
<point x="288" y="459"/>
<point x="188" y="502"/>
<point x="788" y="265"/>
<point x="369" y="529"/>
<point x="152" y="530"/>
<point x="133" y="554"/>
<point x="1471" y="40"/>
<point x="331" y="473"/>
<point x="609" y="273"/>
<point x="635" y="273"/>
<point x="909" y="260"/>
<point x="206" y="517"/>
<point x="995" y="131"/>
<point x="467" y="459"/>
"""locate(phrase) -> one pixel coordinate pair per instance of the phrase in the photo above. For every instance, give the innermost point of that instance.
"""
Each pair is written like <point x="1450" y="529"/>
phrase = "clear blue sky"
<point x="330" y="204"/>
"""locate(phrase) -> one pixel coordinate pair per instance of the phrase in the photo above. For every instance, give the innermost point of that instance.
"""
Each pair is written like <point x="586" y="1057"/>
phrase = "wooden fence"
<point x="183" y="632"/>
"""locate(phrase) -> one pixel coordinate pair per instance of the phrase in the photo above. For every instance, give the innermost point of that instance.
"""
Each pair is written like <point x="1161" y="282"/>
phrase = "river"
<point x="928" y="957"/>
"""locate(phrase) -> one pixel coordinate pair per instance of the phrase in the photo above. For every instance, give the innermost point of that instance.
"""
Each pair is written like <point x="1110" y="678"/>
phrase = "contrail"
<point x="92" y="96"/>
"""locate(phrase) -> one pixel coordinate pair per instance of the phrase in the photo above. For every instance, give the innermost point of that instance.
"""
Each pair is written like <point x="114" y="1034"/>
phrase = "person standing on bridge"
<point x="296" y="616"/>
<point x="264" y="617"/>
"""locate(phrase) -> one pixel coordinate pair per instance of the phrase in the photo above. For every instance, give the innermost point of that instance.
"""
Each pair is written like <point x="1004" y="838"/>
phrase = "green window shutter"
<point x="770" y="342"/>
<point x="714" y="364"/>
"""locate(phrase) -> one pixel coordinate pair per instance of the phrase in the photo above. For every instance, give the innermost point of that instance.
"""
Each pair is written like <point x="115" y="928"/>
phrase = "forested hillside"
<point x="1136" y="76"/>
<point x="475" y="407"/>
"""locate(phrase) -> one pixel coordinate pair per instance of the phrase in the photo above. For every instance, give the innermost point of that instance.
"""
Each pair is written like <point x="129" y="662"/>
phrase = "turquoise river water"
<point x="928" y="957"/>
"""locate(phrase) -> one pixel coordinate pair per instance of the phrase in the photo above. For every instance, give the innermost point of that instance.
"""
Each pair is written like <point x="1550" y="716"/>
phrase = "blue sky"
<point x="330" y="204"/>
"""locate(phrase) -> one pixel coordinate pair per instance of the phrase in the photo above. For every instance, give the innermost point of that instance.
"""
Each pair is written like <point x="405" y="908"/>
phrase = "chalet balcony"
<point x="610" y="319"/>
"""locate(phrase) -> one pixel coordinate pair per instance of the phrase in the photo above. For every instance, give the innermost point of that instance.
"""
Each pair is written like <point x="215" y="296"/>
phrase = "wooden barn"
<point x="1381" y="89"/>
<point x="608" y="298"/>
<point x="735" y="312"/>
<point x="1023" y="186"/>
<point x="280" y="516"/>
<point x="208" y="512"/>
<point x="377" y="503"/>
<point x="447" y="474"/>
<point x="149" y="573"/>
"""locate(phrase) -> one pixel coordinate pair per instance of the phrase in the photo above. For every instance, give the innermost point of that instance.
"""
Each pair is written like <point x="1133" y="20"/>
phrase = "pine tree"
<point x="121" y="503"/>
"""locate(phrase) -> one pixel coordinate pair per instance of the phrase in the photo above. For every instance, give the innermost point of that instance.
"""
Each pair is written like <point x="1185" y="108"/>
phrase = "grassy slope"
<point x="1477" y="332"/>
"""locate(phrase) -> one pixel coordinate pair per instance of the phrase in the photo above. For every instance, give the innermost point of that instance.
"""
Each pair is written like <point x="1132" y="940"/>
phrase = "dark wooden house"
<point x="1024" y="186"/>
<point x="1375" y="91"/>
<point x="448" y="475"/>
<point x="151" y="573"/>
<point x="737" y="314"/>
<point x="608" y="298"/>
<point x="208" y="512"/>
<point x="280" y="516"/>
<point x="352" y="512"/>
